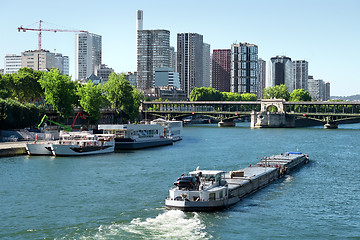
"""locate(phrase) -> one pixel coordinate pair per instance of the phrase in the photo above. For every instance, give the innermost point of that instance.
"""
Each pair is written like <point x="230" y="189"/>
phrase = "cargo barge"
<point x="210" y="190"/>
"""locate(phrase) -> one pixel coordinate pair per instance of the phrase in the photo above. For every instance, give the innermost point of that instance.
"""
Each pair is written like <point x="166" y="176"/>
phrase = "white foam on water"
<point x="172" y="224"/>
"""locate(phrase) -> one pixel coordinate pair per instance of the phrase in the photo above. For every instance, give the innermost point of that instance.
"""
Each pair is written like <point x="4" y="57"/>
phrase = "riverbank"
<point x="12" y="149"/>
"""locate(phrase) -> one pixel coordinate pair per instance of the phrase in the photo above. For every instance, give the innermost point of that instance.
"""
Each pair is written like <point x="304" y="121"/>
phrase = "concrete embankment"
<point x="12" y="149"/>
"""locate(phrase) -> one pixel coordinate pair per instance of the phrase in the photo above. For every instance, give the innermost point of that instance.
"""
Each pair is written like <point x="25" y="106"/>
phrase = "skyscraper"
<point x="153" y="51"/>
<point x="221" y="59"/>
<point x="281" y="72"/>
<point x="300" y="72"/>
<point x="206" y="82"/>
<point x="173" y="59"/>
<point x="261" y="78"/>
<point x="190" y="60"/>
<point x="88" y="53"/>
<point x="244" y="59"/>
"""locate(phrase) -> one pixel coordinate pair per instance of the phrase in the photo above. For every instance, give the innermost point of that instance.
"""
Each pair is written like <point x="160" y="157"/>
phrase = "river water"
<point x="121" y="195"/>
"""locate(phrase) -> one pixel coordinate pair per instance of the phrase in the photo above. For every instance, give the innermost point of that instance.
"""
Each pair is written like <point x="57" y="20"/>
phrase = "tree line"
<point x="30" y="91"/>
<point x="278" y="92"/>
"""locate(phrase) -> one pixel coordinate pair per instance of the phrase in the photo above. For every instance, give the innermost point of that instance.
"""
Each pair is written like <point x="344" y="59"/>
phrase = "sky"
<point x="326" y="33"/>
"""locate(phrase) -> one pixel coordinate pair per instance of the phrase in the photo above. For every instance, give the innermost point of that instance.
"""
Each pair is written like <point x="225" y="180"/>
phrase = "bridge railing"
<point x="321" y="107"/>
<point x="201" y="106"/>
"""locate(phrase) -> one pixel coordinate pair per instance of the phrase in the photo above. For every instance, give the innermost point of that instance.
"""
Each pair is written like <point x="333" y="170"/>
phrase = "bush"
<point x="15" y="115"/>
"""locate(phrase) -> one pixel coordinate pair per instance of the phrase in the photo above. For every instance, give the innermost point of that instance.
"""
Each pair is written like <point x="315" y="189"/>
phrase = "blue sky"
<point x="325" y="33"/>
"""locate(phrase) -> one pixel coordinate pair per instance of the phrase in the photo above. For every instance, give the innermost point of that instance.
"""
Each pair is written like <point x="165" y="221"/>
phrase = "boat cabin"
<point x="133" y="131"/>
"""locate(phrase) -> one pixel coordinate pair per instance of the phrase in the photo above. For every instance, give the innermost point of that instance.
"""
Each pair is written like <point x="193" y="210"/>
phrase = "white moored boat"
<point x="172" y="129"/>
<point x="83" y="144"/>
<point x="136" y="136"/>
<point x="209" y="190"/>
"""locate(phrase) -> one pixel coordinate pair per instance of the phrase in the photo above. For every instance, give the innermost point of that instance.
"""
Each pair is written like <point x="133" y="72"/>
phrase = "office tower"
<point x="40" y="60"/>
<point x="261" y="78"/>
<point x="300" y="72"/>
<point x="153" y="51"/>
<point x="88" y="52"/>
<point x="62" y="63"/>
<point x="12" y="63"/>
<point x="190" y="60"/>
<point x="244" y="58"/>
<point x="166" y="77"/>
<point x="173" y="59"/>
<point x="206" y="65"/>
<point x="221" y="61"/>
<point x="281" y="72"/>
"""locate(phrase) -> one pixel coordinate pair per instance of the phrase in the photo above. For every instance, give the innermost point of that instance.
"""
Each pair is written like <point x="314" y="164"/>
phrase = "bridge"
<point x="263" y="113"/>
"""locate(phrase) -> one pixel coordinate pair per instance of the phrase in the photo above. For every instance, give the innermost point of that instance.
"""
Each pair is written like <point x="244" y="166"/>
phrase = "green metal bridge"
<point x="325" y="112"/>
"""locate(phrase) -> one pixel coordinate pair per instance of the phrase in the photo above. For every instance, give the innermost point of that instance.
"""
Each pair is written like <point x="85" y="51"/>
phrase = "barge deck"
<point x="234" y="185"/>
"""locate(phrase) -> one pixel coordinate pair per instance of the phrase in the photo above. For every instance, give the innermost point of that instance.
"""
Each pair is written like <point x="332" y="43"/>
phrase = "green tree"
<point x="60" y="92"/>
<point x="299" y="95"/>
<point x="6" y="85"/>
<point x="205" y="94"/>
<point x="91" y="100"/>
<point x="121" y="96"/>
<point x="248" y="97"/>
<point x="230" y="96"/>
<point x="278" y="92"/>
<point x="26" y="85"/>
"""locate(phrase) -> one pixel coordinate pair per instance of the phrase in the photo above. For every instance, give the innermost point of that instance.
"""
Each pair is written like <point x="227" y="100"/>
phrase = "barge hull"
<point x="254" y="178"/>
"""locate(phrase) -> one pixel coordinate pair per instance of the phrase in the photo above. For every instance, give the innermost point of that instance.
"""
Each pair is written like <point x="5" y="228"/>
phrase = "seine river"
<point x="121" y="195"/>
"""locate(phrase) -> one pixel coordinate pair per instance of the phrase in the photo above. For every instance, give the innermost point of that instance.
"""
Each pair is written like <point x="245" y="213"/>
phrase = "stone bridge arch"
<point x="267" y="103"/>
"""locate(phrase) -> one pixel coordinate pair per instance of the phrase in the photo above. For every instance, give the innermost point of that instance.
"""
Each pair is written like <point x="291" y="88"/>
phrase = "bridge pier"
<point x="226" y="124"/>
<point x="271" y="120"/>
<point x="331" y="126"/>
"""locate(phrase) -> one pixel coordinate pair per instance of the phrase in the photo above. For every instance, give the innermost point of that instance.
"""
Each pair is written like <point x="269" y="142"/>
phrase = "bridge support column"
<point x="271" y="120"/>
<point x="331" y="126"/>
<point x="226" y="124"/>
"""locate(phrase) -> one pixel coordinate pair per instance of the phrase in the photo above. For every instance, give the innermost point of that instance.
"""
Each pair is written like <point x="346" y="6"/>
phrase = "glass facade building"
<point x="281" y="72"/>
<point x="153" y="51"/>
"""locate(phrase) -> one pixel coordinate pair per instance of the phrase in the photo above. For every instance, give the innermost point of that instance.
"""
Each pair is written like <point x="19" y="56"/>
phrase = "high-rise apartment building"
<point x="12" y="63"/>
<point x="300" y="71"/>
<point x="318" y="89"/>
<point x="281" y="72"/>
<point x="153" y="51"/>
<point x="88" y="53"/>
<point x="206" y="66"/>
<point x="244" y="72"/>
<point x="327" y="91"/>
<point x="261" y="78"/>
<point x="221" y="61"/>
<point x="190" y="60"/>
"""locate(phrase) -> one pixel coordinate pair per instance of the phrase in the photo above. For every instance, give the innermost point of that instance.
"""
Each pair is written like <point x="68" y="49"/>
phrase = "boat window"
<point x="221" y="194"/>
<point x="212" y="196"/>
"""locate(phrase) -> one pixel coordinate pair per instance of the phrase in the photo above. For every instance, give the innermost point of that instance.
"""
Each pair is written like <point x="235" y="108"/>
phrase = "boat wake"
<point x="172" y="224"/>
